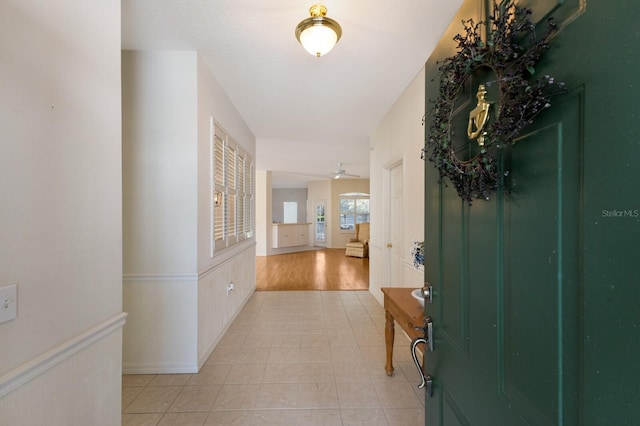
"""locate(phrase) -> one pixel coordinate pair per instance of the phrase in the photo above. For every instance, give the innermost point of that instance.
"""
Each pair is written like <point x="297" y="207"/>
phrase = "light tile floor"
<point x="289" y="358"/>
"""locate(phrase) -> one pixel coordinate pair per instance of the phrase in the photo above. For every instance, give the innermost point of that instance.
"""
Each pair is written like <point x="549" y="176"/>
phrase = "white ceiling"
<point x="307" y="113"/>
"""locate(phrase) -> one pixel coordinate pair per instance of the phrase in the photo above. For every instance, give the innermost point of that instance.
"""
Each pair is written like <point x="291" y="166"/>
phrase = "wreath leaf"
<point x="511" y="51"/>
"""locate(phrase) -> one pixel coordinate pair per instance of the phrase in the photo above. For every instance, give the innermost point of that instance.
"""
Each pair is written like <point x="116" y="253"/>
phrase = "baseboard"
<point x="167" y="368"/>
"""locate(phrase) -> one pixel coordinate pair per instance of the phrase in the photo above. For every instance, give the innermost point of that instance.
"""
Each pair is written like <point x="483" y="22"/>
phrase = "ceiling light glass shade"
<point x="318" y="34"/>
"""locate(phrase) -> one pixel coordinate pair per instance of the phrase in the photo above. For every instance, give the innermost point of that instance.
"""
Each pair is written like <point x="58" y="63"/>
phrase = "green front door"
<point x="536" y="291"/>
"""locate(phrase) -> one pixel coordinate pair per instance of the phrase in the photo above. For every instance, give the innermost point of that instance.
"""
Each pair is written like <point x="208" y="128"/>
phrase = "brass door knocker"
<point x="478" y="117"/>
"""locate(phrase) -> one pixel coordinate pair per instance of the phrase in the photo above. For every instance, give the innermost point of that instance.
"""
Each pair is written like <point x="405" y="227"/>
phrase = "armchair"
<point x="359" y="245"/>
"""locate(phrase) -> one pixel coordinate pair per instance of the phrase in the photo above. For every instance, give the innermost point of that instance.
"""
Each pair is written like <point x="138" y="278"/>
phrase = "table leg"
<point x="389" y="335"/>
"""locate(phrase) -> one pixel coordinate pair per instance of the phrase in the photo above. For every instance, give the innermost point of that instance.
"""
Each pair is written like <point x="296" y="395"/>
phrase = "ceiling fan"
<point x="336" y="174"/>
<point x="340" y="172"/>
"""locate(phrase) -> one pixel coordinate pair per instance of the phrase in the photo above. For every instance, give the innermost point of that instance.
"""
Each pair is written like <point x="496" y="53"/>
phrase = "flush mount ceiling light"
<point x="318" y="34"/>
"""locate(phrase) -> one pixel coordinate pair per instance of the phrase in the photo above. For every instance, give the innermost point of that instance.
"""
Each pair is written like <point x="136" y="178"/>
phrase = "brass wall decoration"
<point x="510" y="50"/>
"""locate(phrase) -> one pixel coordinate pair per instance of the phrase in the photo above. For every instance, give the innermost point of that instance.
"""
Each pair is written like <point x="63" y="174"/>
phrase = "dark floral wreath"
<point x="511" y="51"/>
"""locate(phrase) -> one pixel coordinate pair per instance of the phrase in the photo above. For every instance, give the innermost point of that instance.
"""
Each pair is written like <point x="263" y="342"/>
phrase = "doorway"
<point x="394" y="228"/>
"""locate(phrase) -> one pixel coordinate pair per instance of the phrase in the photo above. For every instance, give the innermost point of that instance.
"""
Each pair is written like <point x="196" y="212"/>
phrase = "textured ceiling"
<point x="306" y="113"/>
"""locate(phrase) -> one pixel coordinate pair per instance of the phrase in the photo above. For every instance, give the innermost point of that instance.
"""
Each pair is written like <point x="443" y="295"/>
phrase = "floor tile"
<point x="237" y="397"/>
<point x="211" y="374"/>
<point x="315" y="353"/>
<point x="347" y="340"/>
<point x="246" y="373"/>
<point x="364" y="416"/>
<point x="129" y="394"/>
<point x="315" y="340"/>
<point x="370" y="338"/>
<point x="397" y="395"/>
<point x="234" y="340"/>
<point x="264" y="371"/>
<point x="236" y="418"/>
<point x="277" y="395"/>
<point x="350" y="372"/>
<point x="258" y="340"/>
<point x="183" y="419"/>
<point x="274" y="417"/>
<point x="405" y="416"/>
<point x="285" y="341"/>
<point x="155" y="399"/>
<point x="346" y="354"/>
<point x="223" y="355"/>
<point x="357" y="395"/>
<point x="195" y="398"/>
<point x="281" y="373"/>
<point x="284" y="354"/>
<point x="170" y="380"/>
<point x="317" y="395"/>
<point x="137" y="379"/>
<point x="141" y="419"/>
<point x="318" y="417"/>
<point x="315" y="372"/>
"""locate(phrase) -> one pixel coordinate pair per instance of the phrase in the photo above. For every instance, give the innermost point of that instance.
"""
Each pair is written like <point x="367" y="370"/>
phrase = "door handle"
<point x="389" y="245"/>
<point x="414" y="344"/>
<point x="429" y="386"/>
<point x="426" y="380"/>
<point x="429" y="324"/>
<point x="427" y="293"/>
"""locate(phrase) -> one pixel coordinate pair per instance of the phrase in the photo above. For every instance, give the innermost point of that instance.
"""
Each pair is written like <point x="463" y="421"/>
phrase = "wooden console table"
<point x="401" y="306"/>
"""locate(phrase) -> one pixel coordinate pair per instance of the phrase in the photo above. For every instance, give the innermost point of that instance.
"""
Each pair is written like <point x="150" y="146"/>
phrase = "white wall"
<point x="60" y="213"/>
<point x="160" y="211"/>
<point x="398" y="138"/>
<point x="173" y="287"/>
<point x="281" y="195"/>
<point x="160" y="162"/>
<point x="216" y="307"/>
<point x="263" y="212"/>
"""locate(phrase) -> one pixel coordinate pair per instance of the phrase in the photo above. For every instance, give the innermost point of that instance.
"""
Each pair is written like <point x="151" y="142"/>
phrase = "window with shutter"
<point x="231" y="191"/>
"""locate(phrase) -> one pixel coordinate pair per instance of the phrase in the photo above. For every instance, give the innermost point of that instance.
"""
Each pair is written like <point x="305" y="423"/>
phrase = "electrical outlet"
<point x="8" y="303"/>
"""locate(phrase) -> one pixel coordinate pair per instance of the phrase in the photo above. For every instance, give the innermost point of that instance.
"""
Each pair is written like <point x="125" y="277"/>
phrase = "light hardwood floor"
<point x="325" y="269"/>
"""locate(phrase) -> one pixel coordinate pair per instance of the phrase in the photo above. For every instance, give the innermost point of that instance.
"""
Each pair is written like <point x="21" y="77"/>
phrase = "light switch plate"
<point x="8" y="303"/>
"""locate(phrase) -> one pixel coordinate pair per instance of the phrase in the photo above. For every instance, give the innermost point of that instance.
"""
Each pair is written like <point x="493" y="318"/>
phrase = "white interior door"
<point x="395" y="240"/>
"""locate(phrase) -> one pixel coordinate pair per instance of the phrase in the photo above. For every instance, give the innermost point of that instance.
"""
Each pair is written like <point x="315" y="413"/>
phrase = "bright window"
<point x="354" y="208"/>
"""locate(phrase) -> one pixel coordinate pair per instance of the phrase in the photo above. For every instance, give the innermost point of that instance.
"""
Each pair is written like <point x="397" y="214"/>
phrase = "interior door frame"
<point x="316" y="203"/>
<point x="386" y="222"/>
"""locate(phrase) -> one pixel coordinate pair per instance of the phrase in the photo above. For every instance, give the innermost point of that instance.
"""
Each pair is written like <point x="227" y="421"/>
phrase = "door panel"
<point x="508" y="300"/>
<point x="451" y="413"/>
<point x="454" y="319"/>
<point x="541" y="229"/>
<point x="536" y="298"/>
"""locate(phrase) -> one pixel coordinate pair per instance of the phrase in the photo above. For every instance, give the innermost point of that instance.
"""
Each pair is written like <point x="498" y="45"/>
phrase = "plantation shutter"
<point x="248" y="213"/>
<point x="219" y="186"/>
<point x="241" y="195"/>
<point x="232" y="191"/>
<point x="230" y="175"/>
